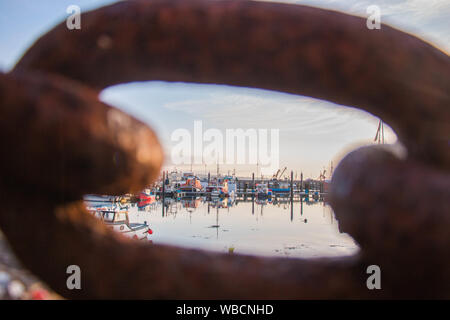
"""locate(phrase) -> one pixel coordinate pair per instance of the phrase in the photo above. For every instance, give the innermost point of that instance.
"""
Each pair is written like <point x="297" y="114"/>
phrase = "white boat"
<point x="231" y="184"/>
<point x="101" y="198"/>
<point x="118" y="221"/>
<point x="262" y="190"/>
<point x="171" y="189"/>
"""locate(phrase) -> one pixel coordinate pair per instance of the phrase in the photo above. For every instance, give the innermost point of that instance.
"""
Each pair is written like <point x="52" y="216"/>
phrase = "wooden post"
<point x="292" y="195"/>
<point x="253" y="182"/>
<point x="164" y="183"/>
<point x="253" y="204"/>
<point x="163" y="191"/>
<point x="301" y="182"/>
<point x="292" y="185"/>
<point x="292" y="210"/>
<point x="301" y="206"/>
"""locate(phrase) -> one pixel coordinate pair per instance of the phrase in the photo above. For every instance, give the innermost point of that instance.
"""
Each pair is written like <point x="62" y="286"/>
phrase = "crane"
<point x="276" y="174"/>
<point x="283" y="171"/>
<point x="322" y="175"/>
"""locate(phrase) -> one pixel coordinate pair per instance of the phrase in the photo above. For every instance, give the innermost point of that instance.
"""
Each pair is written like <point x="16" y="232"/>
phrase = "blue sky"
<point x="312" y="132"/>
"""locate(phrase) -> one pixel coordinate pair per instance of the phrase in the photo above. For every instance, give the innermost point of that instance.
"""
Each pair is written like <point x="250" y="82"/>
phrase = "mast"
<point x="379" y="135"/>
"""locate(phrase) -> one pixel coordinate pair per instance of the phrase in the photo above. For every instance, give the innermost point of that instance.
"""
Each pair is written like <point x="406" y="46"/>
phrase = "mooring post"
<point x="163" y="191"/>
<point x="253" y="183"/>
<point x="301" y="206"/>
<point x="301" y="183"/>
<point x="292" y="210"/>
<point x="253" y="204"/>
<point x="292" y="185"/>
<point x="292" y="195"/>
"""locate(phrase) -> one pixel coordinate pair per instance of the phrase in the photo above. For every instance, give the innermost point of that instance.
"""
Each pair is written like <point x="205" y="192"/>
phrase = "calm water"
<point x="250" y="227"/>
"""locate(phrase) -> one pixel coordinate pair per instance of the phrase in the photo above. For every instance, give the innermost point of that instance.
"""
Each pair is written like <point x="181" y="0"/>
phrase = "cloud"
<point x="312" y="131"/>
<point x="249" y="108"/>
<point x="427" y="19"/>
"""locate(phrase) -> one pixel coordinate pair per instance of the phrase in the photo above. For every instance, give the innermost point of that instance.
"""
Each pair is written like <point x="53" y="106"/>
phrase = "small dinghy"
<point x="119" y="221"/>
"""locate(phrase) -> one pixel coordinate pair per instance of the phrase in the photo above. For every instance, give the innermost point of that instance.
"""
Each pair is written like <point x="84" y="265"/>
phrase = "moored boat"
<point x="101" y="198"/>
<point x="147" y="195"/>
<point x="217" y="189"/>
<point x="279" y="186"/>
<point x="262" y="191"/>
<point x="192" y="184"/>
<point x="119" y="221"/>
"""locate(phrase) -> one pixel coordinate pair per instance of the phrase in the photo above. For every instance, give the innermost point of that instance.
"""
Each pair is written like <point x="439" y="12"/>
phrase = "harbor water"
<point x="268" y="227"/>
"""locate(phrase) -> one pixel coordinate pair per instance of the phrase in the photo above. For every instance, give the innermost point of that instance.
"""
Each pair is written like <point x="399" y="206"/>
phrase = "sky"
<point x="312" y="132"/>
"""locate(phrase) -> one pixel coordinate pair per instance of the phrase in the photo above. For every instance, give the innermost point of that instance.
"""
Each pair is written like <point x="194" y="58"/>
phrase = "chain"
<point x="60" y="142"/>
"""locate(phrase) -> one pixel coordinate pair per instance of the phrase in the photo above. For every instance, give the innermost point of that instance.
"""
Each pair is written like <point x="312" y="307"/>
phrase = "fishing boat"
<point x="218" y="189"/>
<point x="191" y="184"/>
<point x="147" y="195"/>
<point x="145" y="199"/>
<point x="171" y="189"/>
<point x="119" y="221"/>
<point x="262" y="191"/>
<point x="279" y="187"/>
<point x="231" y="184"/>
<point x="218" y="192"/>
<point x="101" y="198"/>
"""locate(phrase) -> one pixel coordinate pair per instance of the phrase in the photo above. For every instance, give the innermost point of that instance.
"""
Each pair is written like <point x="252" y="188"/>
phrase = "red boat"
<point x="191" y="184"/>
<point x="147" y="196"/>
<point x="217" y="189"/>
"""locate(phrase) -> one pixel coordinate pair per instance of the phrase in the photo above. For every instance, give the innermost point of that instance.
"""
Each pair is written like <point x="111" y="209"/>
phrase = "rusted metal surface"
<point x="395" y="208"/>
<point x="60" y="141"/>
<point x="295" y="49"/>
<point x="398" y="212"/>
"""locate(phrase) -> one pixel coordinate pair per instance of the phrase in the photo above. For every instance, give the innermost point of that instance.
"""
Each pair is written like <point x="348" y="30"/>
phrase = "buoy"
<point x="39" y="294"/>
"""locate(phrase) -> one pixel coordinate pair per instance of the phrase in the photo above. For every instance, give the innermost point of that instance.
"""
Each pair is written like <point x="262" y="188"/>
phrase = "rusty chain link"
<point x="61" y="142"/>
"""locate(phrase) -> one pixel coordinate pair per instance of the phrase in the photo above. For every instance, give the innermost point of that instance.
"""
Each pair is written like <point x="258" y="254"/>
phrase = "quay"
<point x="242" y="186"/>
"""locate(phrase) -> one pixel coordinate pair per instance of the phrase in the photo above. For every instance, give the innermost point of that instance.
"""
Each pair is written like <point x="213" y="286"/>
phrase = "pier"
<point x="248" y="187"/>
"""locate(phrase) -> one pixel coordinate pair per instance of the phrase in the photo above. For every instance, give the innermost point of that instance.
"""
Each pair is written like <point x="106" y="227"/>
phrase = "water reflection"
<point x="301" y="227"/>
